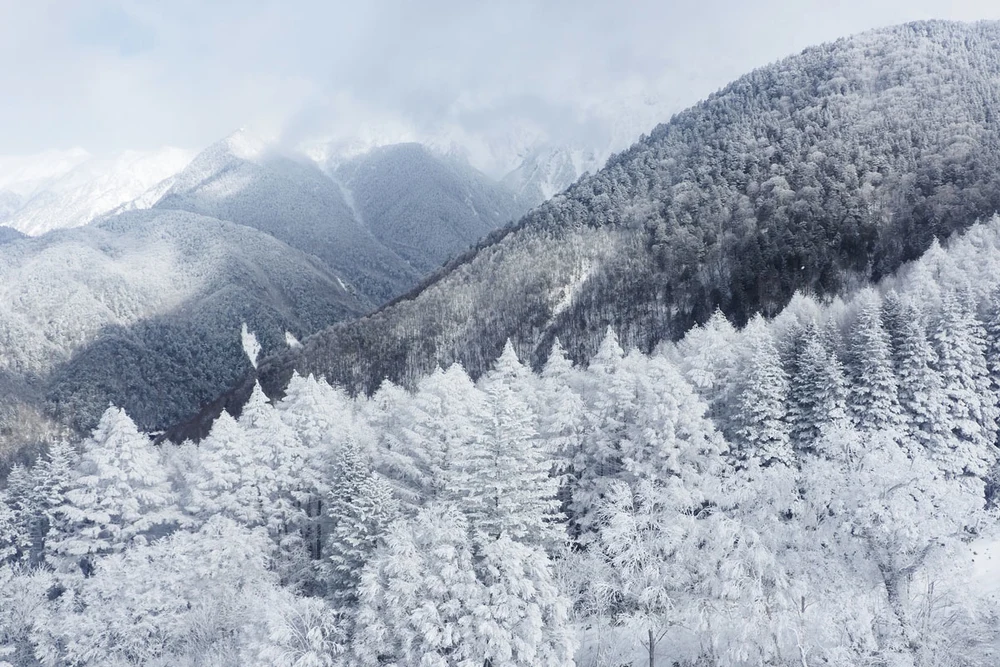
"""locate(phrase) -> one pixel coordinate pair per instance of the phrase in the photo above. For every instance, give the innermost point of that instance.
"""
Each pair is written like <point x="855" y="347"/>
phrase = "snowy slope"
<point x="548" y="170"/>
<point x="423" y="206"/>
<point x="91" y="187"/>
<point x="735" y="203"/>
<point x="24" y="175"/>
<point x="243" y="180"/>
<point x="145" y="308"/>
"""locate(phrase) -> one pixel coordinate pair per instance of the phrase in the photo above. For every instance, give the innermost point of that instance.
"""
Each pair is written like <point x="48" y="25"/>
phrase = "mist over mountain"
<point x="424" y="207"/>
<point x="817" y="173"/>
<point x="731" y="399"/>
<point x="61" y="190"/>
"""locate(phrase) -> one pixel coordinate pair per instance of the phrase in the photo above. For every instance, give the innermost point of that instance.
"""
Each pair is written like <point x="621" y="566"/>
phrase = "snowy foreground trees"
<point x="809" y="491"/>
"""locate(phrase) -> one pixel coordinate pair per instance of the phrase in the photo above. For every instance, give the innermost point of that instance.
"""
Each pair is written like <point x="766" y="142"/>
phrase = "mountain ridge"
<point x="667" y="201"/>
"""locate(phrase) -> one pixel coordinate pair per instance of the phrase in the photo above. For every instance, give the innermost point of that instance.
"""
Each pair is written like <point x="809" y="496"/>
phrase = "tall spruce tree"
<point x="506" y="486"/>
<point x="120" y="494"/>
<point x="760" y="429"/>
<point x="816" y="389"/>
<point x="960" y="342"/>
<point x="873" y="397"/>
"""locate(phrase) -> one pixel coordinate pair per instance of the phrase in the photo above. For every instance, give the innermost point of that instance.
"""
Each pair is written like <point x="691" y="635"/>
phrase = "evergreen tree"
<point x="361" y="507"/>
<point x="119" y="496"/>
<point x="323" y="419"/>
<point x="873" y="399"/>
<point x="970" y="406"/>
<point x="610" y="403"/>
<point x="51" y="478"/>
<point x="433" y="595"/>
<point x="816" y="390"/>
<point x="22" y="503"/>
<point x="561" y="419"/>
<point x="505" y="486"/>
<point x="759" y="427"/>
<point x="445" y="422"/>
<point x="10" y="537"/>
<point x="894" y="317"/>
<point x="707" y="356"/>
<point x="417" y="595"/>
<point x="921" y="391"/>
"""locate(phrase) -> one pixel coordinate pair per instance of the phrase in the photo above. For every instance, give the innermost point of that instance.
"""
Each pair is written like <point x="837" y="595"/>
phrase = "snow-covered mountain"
<point x="144" y="309"/>
<point x="735" y="204"/>
<point x="424" y="207"/>
<point x="59" y="191"/>
<point x="548" y="170"/>
<point x="25" y="175"/>
<point x="244" y="180"/>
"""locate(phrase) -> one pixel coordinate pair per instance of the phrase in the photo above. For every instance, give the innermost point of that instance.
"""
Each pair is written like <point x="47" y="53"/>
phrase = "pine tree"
<point x="10" y="537"/>
<point x="434" y="595"/>
<point x="51" y="478"/>
<point x="894" y="317"/>
<point x="524" y="618"/>
<point x="759" y="427"/>
<point x="505" y="485"/>
<point x="610" y="404"/>
<point x="361" y="507"/>
<point x="323" y="419"/>
<point x="959" y="340"/>
<point x="707" y="356"/>
<point x="816" y="390"/>
<point x="444" y="423"/>
<point x="921" y="391"/>
<point x="280" y="467"/>
<point x="22" y="503"/>
<point x="873" y="398"/>
<point x="119" y="496"/>
<point x="417" y="595"/>
<point x="561" y="419"/>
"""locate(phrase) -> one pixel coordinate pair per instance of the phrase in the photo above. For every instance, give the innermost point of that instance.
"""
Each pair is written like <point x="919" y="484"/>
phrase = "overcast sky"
<point x="145" y="73"/>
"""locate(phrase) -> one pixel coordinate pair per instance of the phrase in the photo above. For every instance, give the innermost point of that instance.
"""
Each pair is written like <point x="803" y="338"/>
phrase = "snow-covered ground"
<point x="986" y="566"/>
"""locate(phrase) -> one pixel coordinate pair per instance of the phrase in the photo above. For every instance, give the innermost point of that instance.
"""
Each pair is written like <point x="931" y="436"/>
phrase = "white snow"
<point x="986" y="566"/>
<point x="89" y="188"/>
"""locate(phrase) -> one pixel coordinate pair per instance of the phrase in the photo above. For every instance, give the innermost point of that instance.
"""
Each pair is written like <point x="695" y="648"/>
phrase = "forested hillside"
<point x="424" y="207"/>
<point x="243" y="180"/>
<point x="819" y="173"/>
<point x="144" y="310"/>
<point x="817" y="489"/>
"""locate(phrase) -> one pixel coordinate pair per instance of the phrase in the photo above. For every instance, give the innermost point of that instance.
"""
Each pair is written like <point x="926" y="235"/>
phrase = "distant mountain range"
<point x="143" y="305"/>
<point x="59" y="190"/>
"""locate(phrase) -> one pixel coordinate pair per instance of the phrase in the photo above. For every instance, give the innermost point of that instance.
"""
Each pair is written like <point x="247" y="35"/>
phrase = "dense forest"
<point x="811" y="490"/>
<point x="817" y="173"/>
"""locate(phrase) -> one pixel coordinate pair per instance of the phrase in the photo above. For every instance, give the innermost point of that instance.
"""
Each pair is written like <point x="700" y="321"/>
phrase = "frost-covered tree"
<point x="505" y="486"/>
<point x="759" y="427"/>
<point x="921" y="392"/>
<point x="970" y="405"/>
<point x="434" y="595"/>
<point x="610" y="403"/>
<point x="323" y="418"/>
<point x="873" y="398"/>
<point x="523" y="617"/>
<point x="817" y="392"/>
<point x="120" y="494"/>
<point x="191" y="598"/>
<point x="445" y="420"/>
<point x="418" y="593"/>
<point x="361" y="507"/>
<point x="707" y="356"/>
